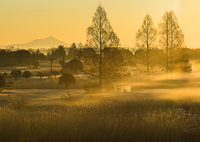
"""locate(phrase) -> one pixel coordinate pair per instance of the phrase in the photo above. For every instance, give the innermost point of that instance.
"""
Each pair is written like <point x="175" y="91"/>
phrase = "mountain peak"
<point x="42" y="43"/>
<point x="50" y="37"/>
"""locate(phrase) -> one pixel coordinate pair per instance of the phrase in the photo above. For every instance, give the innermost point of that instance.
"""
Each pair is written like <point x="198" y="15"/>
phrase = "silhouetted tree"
<point x="182" y="63"/>
<point x="146" y="37"/>
<point x="2" y="81"/>
<point x="15" y="73"/>
<point x="170" y="37"/>
<point x="23" y="57"/>
<point x="40" y="74"/>
<point x="113" y="65"/>
<point x="72" y="52"/>
<point x="7" y="58"/>
<point x="27" y="74"/>
<point x="67" y="79"/>
<point x="61" y="50"/>
<point x="55" y="73"/>
<point x="99" y="36"/>
<point x="74" y="65"/>
<point x="38" y="55"/>
<point x="80" y="45"/>
<point x="57" y="53"/>
<point x="35" y="64"/>
<point x="128" y="57"/>
<point x="140" y="56"/>
<point x="155" y="60"/>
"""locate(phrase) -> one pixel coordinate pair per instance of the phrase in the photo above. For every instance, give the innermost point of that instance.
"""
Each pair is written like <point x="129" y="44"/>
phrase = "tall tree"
<point x="113" y="64"/>
<point x="146" y="37"/>
<point x="100" y="35"/>
<point x="170" y="37"/>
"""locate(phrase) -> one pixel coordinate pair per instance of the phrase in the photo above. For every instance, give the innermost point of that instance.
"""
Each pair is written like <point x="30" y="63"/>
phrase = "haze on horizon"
<point x="23" y="21"/>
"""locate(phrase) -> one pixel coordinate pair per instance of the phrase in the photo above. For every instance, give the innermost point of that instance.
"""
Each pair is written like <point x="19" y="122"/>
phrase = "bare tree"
<point x="170" y="37"/>
<point x="99" y="36"/>
<point x="146" y="37"/>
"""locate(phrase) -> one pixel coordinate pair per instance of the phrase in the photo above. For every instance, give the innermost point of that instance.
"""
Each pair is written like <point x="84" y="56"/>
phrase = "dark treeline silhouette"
<point x="20" y="57"/>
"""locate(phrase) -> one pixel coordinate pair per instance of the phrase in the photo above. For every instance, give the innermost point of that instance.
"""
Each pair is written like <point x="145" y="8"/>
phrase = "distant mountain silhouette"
<point x="41" y="43"/>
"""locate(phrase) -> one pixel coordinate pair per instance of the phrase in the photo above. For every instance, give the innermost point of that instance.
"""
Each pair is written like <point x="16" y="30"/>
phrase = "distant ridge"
<point x="41" y="43"/>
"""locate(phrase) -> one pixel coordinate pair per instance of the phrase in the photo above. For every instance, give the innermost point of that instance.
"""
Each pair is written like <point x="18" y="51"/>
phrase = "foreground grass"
<point x="132" y="118"/>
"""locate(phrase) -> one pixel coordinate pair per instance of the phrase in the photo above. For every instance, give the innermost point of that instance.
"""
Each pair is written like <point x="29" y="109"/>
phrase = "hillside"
<point x="41" y="43"/>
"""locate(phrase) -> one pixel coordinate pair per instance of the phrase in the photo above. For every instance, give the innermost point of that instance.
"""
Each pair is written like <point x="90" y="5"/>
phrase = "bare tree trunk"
<point x="147" y="52"/>
<point x="167" y="48"/>
<point x="100" y="54"/>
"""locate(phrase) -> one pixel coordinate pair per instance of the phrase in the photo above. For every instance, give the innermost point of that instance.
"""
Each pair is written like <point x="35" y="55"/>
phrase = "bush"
<point x="91" y="87"/>
<point x="67" y="79"/>
<point x="27" y="74"/>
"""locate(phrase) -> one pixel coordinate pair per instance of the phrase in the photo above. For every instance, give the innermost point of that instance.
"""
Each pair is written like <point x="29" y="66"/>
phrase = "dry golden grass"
<point x="121" y="118"/>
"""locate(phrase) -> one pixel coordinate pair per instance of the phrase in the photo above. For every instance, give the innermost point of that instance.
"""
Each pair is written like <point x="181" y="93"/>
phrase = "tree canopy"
<point x="146" y="37"/>
<point x="170" y="37"/>
<point x="15" y="73"/>
<point x="100" y="35"/>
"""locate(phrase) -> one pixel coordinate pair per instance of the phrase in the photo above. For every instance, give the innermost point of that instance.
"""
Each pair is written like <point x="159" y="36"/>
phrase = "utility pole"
<point x="51" y="66"/>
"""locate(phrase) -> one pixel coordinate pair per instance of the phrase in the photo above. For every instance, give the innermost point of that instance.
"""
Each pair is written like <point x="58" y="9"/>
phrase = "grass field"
<point x="156" y="110"/>
<point x="143" y="116"/>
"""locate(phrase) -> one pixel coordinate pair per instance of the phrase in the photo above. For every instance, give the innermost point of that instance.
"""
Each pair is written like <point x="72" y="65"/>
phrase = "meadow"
<point x="156" y="110"/>
<point x="137" y="116"/>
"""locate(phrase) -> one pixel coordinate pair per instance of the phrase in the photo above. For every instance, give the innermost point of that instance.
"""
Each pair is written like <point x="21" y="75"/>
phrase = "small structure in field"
<point x="122" y="88"/>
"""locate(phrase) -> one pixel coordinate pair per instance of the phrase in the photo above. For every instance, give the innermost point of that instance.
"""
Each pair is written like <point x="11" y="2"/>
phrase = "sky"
<point x="25" y="20"/>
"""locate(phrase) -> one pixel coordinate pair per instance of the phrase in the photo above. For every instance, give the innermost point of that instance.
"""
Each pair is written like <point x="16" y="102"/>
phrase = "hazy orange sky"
<point x="25" y="20"/>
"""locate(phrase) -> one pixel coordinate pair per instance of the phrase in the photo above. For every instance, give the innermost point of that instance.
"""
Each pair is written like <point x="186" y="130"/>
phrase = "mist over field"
<point x="100" y="90"/>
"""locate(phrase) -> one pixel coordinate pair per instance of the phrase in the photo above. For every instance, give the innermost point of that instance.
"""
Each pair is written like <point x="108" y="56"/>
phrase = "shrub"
<point x="91" y="87"/>
<point x="67" y="79"/>
<point x="27" y="74"/>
